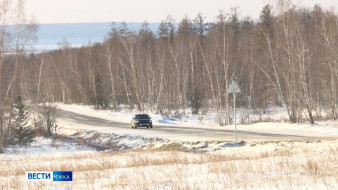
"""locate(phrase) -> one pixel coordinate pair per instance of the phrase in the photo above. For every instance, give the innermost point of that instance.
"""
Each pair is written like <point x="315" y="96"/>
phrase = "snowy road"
<point x="75" y="119"/>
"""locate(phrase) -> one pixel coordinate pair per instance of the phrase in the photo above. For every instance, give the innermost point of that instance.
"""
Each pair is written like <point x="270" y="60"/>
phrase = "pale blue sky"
<point x="72" y="11"/>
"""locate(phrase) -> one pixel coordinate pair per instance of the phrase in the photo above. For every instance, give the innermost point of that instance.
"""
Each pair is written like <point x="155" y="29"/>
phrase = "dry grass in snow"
<point x="292" y="165"/>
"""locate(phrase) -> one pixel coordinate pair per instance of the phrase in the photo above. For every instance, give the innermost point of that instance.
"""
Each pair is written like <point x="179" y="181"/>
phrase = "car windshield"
<point x="143" y="116"/>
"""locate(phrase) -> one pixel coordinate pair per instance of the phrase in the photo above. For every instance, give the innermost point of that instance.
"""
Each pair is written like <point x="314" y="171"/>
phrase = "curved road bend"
<point x="80" y="121"/>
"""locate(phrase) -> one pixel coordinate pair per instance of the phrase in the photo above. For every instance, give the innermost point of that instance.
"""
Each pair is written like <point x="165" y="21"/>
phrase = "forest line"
<point x="287" y="58"/>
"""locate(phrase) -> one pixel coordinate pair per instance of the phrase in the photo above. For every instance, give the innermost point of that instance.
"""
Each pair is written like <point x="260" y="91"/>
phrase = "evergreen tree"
<point x="23" y="132"/>
<point x="100" y="100"/>
<point x="163" y="30"/>
<point x="267" y="19"/>
<point x="145" y="30"/>
<point x="234" y="21"/>
<point x="124" y="30"/>
<point x="199" y="26"/>
<point x="185" y="27"/>
<point x="170" y="23"/>
<point x="145" y="34"/>
<point x="166" y="29"/>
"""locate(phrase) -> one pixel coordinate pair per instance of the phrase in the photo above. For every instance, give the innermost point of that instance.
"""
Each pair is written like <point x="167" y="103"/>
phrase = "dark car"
<point x="141" y="120"/>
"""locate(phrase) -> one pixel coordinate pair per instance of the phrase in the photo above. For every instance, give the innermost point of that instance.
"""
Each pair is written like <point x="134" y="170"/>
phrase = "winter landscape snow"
<point x="108" y="158"/>
<point x="225" y="99"/>
<point x="276" y="165"/>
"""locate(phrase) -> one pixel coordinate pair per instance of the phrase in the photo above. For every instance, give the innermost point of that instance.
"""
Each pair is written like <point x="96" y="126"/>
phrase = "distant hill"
<point x="77" y="34"/>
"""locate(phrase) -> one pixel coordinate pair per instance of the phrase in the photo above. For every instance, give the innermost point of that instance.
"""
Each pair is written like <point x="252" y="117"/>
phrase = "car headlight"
<point x="150" y="121"/>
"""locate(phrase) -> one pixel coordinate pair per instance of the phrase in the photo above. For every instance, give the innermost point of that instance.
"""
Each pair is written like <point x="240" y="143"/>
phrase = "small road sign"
<point x="234" y="88"/>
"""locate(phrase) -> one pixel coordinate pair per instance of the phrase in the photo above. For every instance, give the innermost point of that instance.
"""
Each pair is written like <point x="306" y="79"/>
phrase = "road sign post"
<point x="234" y="88"/>
<point x="234" y="96"/>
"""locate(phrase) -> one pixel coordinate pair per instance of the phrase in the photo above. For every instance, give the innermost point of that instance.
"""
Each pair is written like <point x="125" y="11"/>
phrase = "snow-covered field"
<point x="274" y="165"/>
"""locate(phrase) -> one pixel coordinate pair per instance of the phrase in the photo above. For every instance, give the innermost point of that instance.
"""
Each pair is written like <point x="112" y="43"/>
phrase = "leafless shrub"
<point x="47" y="120"/>
<point x="311" y="167"/>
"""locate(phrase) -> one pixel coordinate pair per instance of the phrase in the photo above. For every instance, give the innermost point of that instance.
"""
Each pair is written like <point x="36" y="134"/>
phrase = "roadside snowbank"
<point x="84" y="141"/>
<point x="48" y="145"/>
<point x="80" y="141"/>
<point x="113" y="142"/>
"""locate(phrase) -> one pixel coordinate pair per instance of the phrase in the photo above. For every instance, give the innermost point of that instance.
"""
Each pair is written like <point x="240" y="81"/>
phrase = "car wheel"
<point x="147" y="126"/>
<point x="135" y="127"/>
<point x="151" y="126"/>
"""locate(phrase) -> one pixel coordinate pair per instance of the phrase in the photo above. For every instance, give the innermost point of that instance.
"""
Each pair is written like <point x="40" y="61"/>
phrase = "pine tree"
<point x="199" y="26"/>
<point x="23" y="132"/>
<point x="163" y="30"/>
<point x="170" y="23"/>
<point x="267" y="19"/>
<point x="100" y="100"/>
<point x="185" y="27"/>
